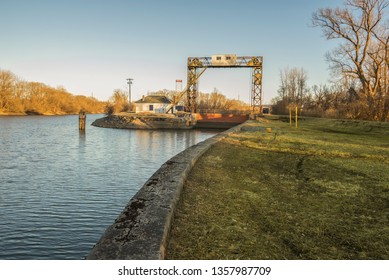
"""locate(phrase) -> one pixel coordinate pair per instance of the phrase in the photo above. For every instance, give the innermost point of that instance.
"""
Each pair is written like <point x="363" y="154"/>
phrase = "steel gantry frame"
<point x="197" y="66"/>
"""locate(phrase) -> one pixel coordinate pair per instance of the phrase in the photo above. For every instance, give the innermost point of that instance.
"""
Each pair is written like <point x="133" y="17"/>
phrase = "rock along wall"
<point x="143" y="121"/>
<point x="141" y="231"/>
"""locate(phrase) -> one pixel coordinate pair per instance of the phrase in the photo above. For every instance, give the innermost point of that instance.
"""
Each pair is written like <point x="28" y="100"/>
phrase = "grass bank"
<point x="317" y="192"/>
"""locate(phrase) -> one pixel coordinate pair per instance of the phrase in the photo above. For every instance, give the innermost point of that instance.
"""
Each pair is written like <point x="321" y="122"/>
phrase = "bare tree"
<point x="382" y="36"/>
<point x="118" y="102"/>
<point x="361" y="55"/>
<point x="293" y="85"/>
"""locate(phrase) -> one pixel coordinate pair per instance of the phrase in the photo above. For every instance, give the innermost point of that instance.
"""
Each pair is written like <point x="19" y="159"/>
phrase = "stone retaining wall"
<point x="141" y="231"/>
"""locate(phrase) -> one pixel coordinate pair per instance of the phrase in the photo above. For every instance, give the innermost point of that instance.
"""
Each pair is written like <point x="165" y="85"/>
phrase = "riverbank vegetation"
<point x="317" y="192"/>
<point x="21" y="97"/>
<point x="118" y="102"/>
<point x="359" y="65"/>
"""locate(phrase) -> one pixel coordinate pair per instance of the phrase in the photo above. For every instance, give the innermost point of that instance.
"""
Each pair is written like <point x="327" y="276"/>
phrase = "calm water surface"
<point x="60" y="189"/>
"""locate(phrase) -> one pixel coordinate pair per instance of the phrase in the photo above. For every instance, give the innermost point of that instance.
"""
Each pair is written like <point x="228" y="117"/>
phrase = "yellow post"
<point x="297" y="117"/>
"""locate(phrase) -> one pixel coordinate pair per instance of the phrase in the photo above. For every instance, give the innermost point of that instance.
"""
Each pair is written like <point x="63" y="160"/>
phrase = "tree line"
<point x="218" y="102"/>
<point x="21" y="97"/>
<point x="359" y="65"/>
<point x="213" y="102"/>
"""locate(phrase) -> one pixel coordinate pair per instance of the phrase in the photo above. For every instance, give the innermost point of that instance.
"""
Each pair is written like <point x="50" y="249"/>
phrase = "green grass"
<point x="317" y="192"/>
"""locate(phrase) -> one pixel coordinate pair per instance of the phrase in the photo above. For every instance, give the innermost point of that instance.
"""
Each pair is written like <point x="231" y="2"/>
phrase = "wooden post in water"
<point x="81" y="120"/>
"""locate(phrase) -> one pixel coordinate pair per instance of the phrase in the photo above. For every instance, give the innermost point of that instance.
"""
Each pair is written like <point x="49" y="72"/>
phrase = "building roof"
<point x="154" y="99"/>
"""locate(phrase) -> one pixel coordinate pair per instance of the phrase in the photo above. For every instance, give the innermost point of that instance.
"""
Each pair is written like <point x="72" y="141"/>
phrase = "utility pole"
<point x="129" y="82"/>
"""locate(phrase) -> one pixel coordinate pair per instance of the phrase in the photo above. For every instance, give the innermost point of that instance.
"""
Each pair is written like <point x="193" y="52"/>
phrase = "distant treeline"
<point x="21" y="97"/>
<point x="342" y="99"/>
<point x="205" y="102"/>
<point x="214" y="101"/>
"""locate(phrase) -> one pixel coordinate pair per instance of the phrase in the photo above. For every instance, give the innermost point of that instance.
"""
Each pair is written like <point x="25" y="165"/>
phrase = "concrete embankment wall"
<point x="141" y="231"/>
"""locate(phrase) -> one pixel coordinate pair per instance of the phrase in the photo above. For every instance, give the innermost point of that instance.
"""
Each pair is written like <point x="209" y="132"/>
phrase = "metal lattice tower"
<point x="178" y="86"/>
<point x="256" y="89"/>
<point x="191" y="91"/>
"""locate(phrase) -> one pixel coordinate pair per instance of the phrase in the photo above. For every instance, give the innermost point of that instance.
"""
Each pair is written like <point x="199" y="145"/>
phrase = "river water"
<point x="60" y="189"/>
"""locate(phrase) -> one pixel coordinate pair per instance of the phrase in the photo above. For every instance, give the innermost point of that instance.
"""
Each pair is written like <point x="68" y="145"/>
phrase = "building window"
<point x="218" y="58"/>
<point x="151" y="107"/>
<point x="228" y="57"/>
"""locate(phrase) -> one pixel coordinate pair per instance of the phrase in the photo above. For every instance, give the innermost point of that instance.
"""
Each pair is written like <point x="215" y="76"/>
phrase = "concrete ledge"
<point x="141" y="231"/>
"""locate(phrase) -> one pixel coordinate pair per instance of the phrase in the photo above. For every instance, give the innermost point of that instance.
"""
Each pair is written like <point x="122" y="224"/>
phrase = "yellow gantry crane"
<point x="198" y="65"/>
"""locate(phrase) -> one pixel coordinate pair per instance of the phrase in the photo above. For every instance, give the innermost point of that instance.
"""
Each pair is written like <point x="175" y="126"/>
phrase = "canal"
<point x="60" y="188"/>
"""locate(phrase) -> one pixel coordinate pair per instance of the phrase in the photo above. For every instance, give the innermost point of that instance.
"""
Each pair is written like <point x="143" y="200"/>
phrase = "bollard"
<point x="297" y="109"/>
<point x="81" y="120"/>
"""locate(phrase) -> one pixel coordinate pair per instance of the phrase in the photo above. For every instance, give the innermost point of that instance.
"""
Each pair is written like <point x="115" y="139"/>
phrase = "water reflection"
<point x="60" y="187"/>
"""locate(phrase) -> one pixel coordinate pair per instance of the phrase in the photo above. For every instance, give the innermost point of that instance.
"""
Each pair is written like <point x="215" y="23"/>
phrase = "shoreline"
<point x="2" y="114"/>
<point x="145" y="121"/>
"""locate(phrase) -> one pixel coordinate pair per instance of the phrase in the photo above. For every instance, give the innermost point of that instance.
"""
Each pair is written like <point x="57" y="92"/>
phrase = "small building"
<point x="152" y="104"/>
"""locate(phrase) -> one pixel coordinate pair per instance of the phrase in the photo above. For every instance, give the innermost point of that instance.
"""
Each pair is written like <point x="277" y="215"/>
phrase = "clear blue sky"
<point x="91" y="47"/>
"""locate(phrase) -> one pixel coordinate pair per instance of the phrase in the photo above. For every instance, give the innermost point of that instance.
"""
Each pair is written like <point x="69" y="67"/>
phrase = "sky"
<point x="91" y="47"/>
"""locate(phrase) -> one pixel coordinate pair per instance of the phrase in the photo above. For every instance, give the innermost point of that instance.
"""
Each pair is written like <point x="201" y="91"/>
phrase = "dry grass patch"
<point x="309" y="193"/>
